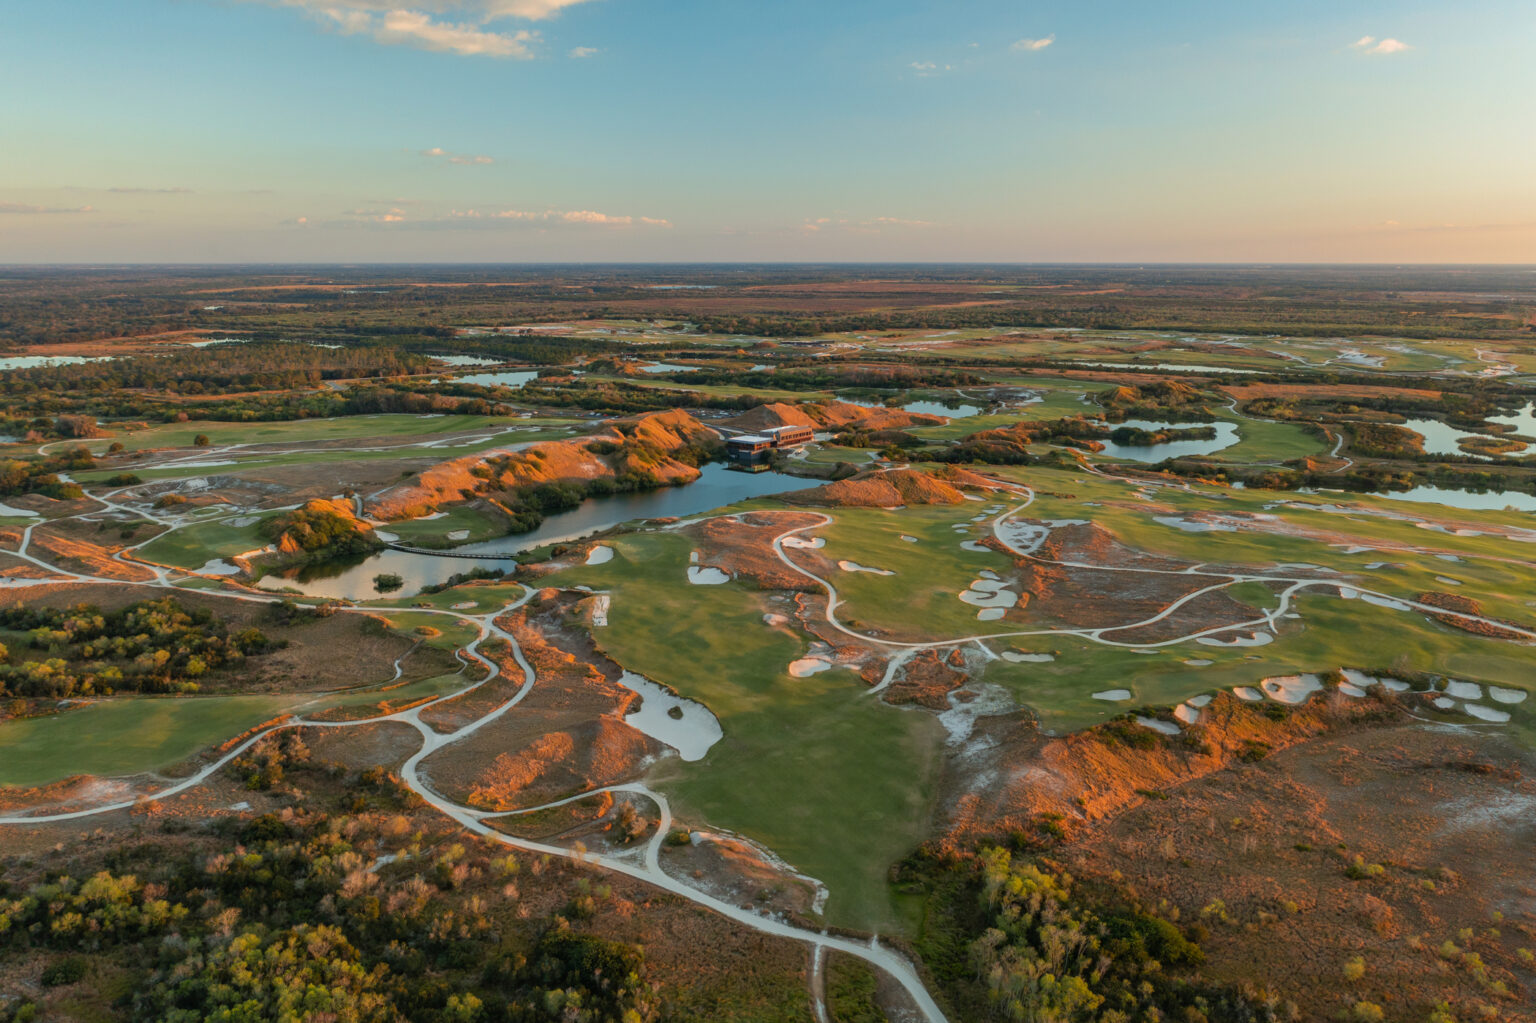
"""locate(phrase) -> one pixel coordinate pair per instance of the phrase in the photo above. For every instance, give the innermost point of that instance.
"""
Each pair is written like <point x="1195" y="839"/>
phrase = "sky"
<point x="253" y="131"/>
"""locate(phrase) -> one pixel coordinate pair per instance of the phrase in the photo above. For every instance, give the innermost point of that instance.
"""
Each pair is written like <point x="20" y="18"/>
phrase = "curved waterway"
<point x="715" y="488"/>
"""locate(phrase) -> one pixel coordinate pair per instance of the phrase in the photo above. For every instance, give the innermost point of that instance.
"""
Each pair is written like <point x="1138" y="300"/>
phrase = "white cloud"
<point x="417" y="29"/>
<point x="1370" y="44"/>
<point x="28" y="208"/>
<point x="556" y="217"/>
<point x="1033" y="45"/>
<point x="151" y="191"/>
<point x="462" y="159"/>
<point x="443" y="26"/>
<point x="584" y="51"/>
<point x="874" y="225"/>
<point x="927" y="68"/>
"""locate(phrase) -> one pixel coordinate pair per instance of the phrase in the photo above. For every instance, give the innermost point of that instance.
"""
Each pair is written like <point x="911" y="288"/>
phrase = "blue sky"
<point x="255" y="130"/>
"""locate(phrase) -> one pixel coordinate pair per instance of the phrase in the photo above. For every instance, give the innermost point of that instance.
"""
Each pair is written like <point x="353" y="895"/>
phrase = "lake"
<point x="1226" y="436"/>
<point x="715" y="488"/>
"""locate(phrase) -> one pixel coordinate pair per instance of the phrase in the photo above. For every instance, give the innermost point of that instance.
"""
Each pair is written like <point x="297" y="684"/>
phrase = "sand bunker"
<point x="972" y="545"/>
<point x="1247" y="693"/>
<point x="1464" y="690"/>
<point x="805" y="543"/>
<point x="808" y="666"/>
<point x="1291" y="688"/>
<point x="691" y="730"/>
<point x="909" y="539"/>
<point x="1187" y="714"/>
<point x="1019" y="657"/>
<point x="218" y="566"/>
<point x="1486" y="713"/>
<point x="1166" y="727"/>
<point x="854" y="566"/>
<point x="702" y="575"/>
<point x="1252" y="639"/>
<point x="1113" y="695"/>
<point x="600" y="555"/>
<point x="1387" y="602"/>
<point x="991" y="614"/>
<point x="1510" y="696"/>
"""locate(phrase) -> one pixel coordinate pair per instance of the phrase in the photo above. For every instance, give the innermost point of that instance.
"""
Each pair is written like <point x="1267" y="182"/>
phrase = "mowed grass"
<point x="182" y="435"/>
<point x="125" y="736"/>
<point x="837" y="783"/>
<point x="480" y="524"/>
<point x="193" y="546"/>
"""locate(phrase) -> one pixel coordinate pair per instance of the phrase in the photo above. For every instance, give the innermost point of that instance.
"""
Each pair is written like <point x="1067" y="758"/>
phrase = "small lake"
<point x="35" y="361"/>
<point x="1176" y="366"/>
<point x="1523" y="421"/>
<point x="467" y="360"/>
<point x="1486" y="500"/>
<point x="938" y="408"/>
<point x="1442" y="438"/>
<point x="715" y="488"/>
<point x="1226" y="436"/>
<point x="668" y="367"/>
<point x="514" y="378"/>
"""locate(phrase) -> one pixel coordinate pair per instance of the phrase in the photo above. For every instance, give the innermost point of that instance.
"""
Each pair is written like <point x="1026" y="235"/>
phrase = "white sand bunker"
<point x="1113" y="695"/>
<point x="1351" y="690"/>
<point x="805" y="543"/>
<point x="805" y="667"/>
<point x="458" y="534"/>
<point x="1364" y="681"/>
<point x="1486" y="713"/>
<point x="600" y="555"/>
<point x="1197" y="662"/>
<point x="1291" y="688"/>
<point x="1020" y="657"/>
<point x="1199" y="701"/>
<point x="218" y="566"/>
<point x="1247" y="693"/>
<point x="909" y="539"/>
<point x="972" y="545"/>
<point x="854" y="566"/>
<point x="1187" y="714"/>
<point x="1463" y="690"/>
<point x="1157" y="725"/>
<point x="1252" y="639"/>
<point x="1194" y="526"/>
<point x="775" y="619"/>
<point x="1447" y="580"/>
<point x="703" y="575"/>
<point x="1387" y="602"/>
<point x="430" y="518"/>
<point x="1509" y="696"/>
<point x="386" y="537"/>
<point x="991" y="596"/>
<point x="688" y="727"/>
<point x="1442" y="703"/>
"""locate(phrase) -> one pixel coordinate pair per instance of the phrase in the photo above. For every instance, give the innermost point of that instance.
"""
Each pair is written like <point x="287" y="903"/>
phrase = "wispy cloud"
<point x="590" y="217"/>
<point x="1033" y="45"/>
<point x="928" y="69"/>
<point x="444" y="26"/>
<point x="1370" y="44"/>
<point x="399" y="216"/>
<point x="580" y="52"/>
<point x="873" y="225"/>
<point x="462" y="159"/>
<point x="151" y="191"/>
<point x="28" y="208"/>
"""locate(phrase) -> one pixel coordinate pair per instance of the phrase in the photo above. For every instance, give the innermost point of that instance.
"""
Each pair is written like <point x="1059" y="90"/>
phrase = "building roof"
<point x="750" y="438"/>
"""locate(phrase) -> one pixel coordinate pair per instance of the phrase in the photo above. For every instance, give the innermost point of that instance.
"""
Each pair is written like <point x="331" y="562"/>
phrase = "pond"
<point x="1442" y="438"/>
<point x="467" y="360"/>
<point x="938" y="408"/>
<point x="34" y="361"/>
<point x="715" y="488"/>
<point x="1523" y="421"/>
<point x="1226" y="436"/>
<point x="513" y="378"/>
<point x="1486" y="500"/>
<point x="668" y="367"/>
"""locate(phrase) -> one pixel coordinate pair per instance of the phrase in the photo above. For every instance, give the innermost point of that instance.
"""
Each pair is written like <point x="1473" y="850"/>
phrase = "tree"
<point x="201" y="440"/>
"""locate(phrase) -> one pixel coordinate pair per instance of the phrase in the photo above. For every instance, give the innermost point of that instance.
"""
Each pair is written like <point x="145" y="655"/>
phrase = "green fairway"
<point x="125" y="736"/>
<point x="195" y="545"/>
<point x="836" y="782"/>
<point x="301" y="431"/>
